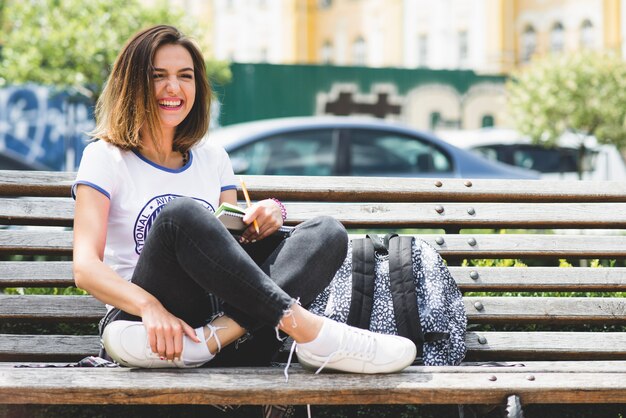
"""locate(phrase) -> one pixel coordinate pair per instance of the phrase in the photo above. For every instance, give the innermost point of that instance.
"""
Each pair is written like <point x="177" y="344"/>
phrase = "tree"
<point x="73" y="43"/>
<point x="582" y="93"/>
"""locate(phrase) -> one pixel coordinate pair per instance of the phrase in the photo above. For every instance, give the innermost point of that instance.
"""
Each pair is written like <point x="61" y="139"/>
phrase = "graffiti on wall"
<point x="44" y="128"/>
<point x="430" y="106"/>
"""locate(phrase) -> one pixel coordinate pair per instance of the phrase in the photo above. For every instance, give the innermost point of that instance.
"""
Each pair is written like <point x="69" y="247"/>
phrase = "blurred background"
<point x="539" y="84"/>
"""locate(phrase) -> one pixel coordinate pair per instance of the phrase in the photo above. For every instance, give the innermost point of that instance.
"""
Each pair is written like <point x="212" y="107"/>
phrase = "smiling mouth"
<point x="170" y="104"/>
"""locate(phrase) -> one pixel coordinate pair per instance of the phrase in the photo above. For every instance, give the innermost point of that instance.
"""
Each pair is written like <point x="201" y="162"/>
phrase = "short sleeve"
<point x="96" y="169"/>
<point x="228" y="181"/>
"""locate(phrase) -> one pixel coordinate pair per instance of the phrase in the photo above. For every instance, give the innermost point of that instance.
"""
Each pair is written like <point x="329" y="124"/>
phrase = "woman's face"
<point x="174" y="84"/>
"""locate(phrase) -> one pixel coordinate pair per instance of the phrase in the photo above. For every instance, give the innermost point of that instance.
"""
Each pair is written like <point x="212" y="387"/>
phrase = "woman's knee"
<point x="332" y="231"/>
<point x="185" y="210"/>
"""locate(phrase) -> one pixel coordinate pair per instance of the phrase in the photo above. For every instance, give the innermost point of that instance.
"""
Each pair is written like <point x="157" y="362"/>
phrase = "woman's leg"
<point x="192" y="244"/>
<point x="302" y="264"/>
<point x="190" y="254"/>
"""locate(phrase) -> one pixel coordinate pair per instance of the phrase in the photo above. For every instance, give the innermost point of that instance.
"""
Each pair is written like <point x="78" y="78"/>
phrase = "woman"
<point x="179" y="286"/>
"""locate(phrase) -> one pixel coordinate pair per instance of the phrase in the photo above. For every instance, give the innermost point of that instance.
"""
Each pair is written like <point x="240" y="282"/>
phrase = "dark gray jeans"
<point x="189" y="258"/>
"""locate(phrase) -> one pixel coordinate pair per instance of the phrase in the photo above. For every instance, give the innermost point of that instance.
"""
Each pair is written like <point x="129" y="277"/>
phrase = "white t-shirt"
<point x="138" y="189"/>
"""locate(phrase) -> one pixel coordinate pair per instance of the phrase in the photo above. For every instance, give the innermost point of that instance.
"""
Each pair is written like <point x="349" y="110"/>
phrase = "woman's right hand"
<point x="165" y="331"/>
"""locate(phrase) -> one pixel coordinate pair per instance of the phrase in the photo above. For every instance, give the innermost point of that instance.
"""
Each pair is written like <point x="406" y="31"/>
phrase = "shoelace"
<point x="355" y="342"/>
<point x="213" y="334"/>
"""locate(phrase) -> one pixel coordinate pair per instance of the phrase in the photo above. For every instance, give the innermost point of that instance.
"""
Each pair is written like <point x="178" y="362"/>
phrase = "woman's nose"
<point x="172" y="85"/>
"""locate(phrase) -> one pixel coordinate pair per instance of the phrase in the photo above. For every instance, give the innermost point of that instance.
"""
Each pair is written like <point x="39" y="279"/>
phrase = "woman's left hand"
<point x="268" y="216"/>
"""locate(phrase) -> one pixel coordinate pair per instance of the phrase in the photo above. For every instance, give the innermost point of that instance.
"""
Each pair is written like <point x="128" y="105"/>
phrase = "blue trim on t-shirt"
<point x="229" y="187"/>
<point x="93" y="186"/>
<point x="160" y="167"/>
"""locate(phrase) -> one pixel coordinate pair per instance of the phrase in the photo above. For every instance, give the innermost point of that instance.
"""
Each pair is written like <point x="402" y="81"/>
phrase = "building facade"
<point x="486" y="37"/>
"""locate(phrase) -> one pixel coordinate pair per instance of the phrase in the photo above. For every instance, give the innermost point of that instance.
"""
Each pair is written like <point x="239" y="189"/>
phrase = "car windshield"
<point x="544" y="160"/>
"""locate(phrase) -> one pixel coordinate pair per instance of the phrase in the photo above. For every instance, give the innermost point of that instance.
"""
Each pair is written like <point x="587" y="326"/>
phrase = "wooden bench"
<point x="569" y="349"/>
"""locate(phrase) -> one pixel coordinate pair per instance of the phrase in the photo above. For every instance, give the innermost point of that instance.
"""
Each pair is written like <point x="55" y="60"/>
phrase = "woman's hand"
<point x="268" y="216"/>
<point x="165" y="331"/>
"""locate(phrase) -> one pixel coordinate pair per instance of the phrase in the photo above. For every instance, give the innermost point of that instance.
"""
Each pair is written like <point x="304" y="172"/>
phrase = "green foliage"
<point x="44" y="291"/>
<point x="488" y="262"/>
<point x="582" y="92"/>
<point x="73" y="43"/>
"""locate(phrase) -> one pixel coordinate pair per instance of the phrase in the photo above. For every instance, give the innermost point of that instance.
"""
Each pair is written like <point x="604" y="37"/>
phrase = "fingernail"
<point x="253" y="240"/>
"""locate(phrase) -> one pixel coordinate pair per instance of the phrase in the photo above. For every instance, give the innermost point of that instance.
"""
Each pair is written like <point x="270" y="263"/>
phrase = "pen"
<point x="247" y="196"/>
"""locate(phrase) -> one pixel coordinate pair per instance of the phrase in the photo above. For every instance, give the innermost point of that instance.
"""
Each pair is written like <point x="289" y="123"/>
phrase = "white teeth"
<point x="169" y="103"/>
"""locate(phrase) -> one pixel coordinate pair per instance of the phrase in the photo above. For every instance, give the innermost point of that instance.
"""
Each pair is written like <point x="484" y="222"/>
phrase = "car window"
<point x="385" y="153"/>
<point x="544" y="160"/>
<point x="307" y="153"/>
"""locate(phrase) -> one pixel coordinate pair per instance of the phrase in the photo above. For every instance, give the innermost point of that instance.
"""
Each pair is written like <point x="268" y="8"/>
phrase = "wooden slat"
<point x="415" y="385"/>
<point x="37" y="211"/>
<point x="36" y="274"/>
<point x="545" y="310"/>
<point x="464" y="215"/>
<point x="47" y="347"/>
<point x="524" y="279"/>
<point x="518" y="310"/>
<point x="521" y="279"/>
<point x="528" y="245"/>
<point x="42" y="241"/>
<point x="47" y="211"/>
<point x="454" y="246"/>
<point x="51" y="308"/>
<point x="35" y="183"/>
<point x="507" y="346"/>
<point x="372" y="189"/>
<point x="381" y="189"/>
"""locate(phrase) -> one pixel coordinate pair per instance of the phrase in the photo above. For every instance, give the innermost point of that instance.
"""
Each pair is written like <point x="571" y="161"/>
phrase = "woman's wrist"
<point x="283" y="210"/>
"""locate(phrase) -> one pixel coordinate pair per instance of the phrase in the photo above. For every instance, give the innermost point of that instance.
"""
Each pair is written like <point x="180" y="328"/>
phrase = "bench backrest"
<point x="540" y="311"/>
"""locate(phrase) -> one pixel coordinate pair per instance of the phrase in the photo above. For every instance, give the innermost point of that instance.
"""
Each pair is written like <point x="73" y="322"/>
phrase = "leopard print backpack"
<point x="399" y="285"/>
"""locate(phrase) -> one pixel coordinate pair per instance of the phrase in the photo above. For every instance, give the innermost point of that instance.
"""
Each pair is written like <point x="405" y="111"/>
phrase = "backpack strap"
<point x="381" y="245"/>
<point x="403" y="290"/>
<point x="362" y="300"/>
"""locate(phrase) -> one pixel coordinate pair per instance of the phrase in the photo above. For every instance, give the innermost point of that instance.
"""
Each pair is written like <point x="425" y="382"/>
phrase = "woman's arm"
<point x="266" y="212"/>
<point x="165" y="331"/>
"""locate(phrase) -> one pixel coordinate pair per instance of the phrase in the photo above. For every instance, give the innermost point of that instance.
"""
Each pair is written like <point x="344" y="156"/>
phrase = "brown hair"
<point x="127" y="101"/>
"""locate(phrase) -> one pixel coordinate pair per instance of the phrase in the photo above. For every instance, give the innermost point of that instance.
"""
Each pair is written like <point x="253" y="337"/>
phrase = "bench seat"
<point x="557" y="335"/>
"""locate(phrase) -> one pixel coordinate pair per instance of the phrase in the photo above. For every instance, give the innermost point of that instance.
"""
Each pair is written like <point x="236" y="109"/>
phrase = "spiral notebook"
<point x="232" y="218"/>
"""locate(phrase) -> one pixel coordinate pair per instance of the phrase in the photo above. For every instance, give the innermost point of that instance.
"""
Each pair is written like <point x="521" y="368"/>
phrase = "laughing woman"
<point x="178" y="286"/>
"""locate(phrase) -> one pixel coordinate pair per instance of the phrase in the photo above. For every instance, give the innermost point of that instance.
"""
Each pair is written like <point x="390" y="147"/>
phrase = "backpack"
<point x="399" y="285"/>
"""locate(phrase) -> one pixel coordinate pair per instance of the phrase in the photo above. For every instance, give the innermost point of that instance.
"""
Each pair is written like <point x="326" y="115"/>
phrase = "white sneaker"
<point x="360" y="351"/>
<point x="127" y="343"/>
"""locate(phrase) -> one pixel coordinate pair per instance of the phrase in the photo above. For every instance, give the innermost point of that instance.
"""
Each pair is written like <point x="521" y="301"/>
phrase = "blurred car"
<point x="601" y="162"/>
<point x="12" y="161"/>
<point x="350" y="146"/>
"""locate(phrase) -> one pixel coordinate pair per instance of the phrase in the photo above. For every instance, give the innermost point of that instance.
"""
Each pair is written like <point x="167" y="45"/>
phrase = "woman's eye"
<point x="157" y="76"/>
<point x="189" y="76"/>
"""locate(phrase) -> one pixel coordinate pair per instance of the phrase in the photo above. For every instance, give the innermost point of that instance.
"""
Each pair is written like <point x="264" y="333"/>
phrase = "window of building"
<point x="557" y="38"/>
<point x="422" y="50"/>
<point x="587" y="34"/>
<point x="463" y="48"/>
<point x="359" y="52"/>
<point x="325" y="4"/>
<point x="487" y="121"/>
<point x="529" y="43"/>
<point x="326" y="54"/>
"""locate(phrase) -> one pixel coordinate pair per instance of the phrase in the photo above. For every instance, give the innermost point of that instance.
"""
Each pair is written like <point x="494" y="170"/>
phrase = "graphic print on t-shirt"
<point x="148" y="214"/>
